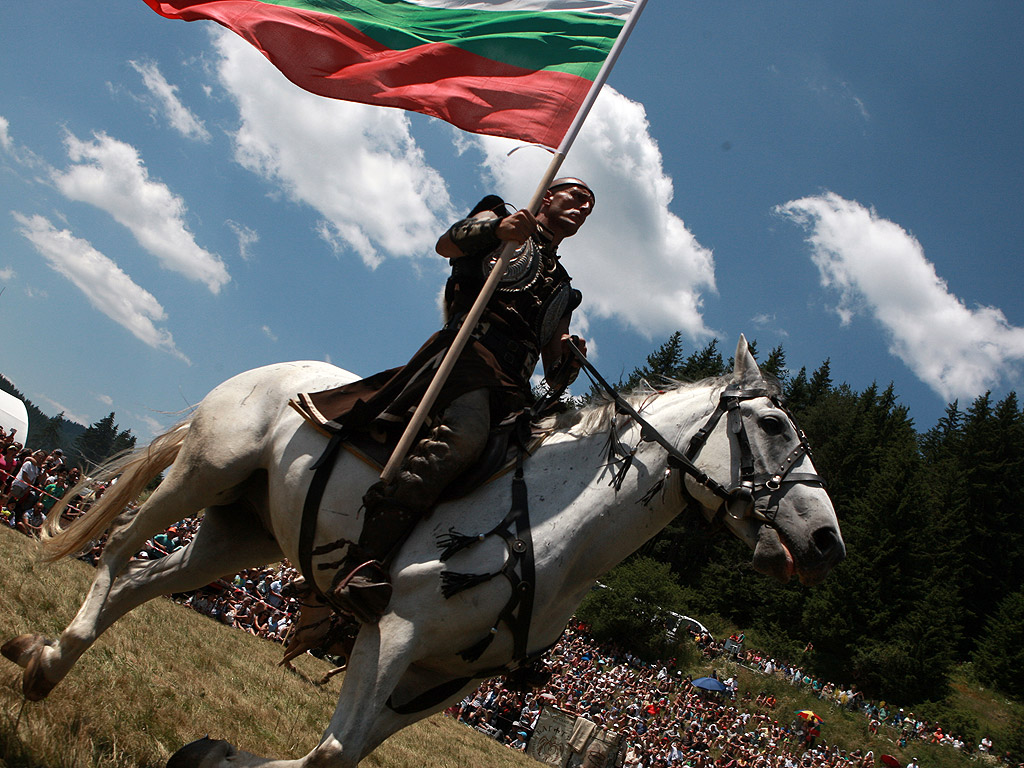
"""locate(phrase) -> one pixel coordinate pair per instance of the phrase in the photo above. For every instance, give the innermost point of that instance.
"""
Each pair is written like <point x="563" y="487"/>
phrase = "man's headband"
<point x="570" y="181"/>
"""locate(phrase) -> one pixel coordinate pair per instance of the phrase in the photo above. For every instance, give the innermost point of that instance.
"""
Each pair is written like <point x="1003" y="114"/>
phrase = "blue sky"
<point x="841" y="179"/>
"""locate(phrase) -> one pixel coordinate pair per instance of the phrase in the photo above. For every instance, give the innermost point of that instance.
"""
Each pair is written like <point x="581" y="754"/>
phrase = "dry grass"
<point x="163" y="676"/>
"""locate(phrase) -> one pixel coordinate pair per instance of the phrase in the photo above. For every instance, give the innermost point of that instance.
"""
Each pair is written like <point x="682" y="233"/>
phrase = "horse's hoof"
<point x="21" y="648"/>
<point x="34" y="684"/>
<point x="201" y="753"/>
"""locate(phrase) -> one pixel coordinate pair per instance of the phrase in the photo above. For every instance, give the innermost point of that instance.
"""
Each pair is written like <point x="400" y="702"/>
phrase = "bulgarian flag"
<point x="514" y="68"/>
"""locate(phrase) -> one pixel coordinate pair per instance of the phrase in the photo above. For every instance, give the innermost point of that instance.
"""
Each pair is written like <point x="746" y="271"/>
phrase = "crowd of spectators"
<point x="896" y="723"/>
<point x="665" y="720"/>
<point x="31" y="482"/>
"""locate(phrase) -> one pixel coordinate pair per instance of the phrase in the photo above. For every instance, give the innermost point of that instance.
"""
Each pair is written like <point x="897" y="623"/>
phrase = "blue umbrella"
<point x="708" y="684"/>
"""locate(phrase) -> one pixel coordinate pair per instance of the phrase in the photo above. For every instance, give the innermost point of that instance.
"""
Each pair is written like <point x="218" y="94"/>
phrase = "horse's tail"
<point x="133" y="471"/>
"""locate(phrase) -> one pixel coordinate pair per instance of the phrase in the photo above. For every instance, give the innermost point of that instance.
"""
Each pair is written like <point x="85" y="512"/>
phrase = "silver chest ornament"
<point x="522" y="276"/>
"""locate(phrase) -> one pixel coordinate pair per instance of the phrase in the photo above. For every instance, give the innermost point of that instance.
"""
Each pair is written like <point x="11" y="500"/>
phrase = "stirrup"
<point x="365" y="592"/>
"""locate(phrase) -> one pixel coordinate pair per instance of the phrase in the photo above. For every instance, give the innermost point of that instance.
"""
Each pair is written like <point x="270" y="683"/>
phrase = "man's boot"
<point x="365" y="590"/>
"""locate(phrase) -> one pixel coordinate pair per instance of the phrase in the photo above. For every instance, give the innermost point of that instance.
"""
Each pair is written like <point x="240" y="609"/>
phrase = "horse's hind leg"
<point x="229" y="538"/>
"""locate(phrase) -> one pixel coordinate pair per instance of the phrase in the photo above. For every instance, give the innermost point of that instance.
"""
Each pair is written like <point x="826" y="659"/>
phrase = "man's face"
<point x="565" y="209"/>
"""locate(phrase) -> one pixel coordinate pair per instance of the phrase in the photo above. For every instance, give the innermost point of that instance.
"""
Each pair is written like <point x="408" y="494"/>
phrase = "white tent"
<point x="13" y="414"/>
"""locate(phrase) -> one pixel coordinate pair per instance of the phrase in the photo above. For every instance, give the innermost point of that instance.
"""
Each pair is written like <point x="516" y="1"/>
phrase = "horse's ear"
<point x="745" y="372"/>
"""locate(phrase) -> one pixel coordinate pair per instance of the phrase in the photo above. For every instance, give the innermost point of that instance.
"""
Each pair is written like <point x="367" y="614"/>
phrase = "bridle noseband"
<point x="752" y="495"/>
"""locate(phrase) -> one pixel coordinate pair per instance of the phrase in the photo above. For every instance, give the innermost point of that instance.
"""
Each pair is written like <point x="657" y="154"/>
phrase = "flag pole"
<point x="498" y="271"/>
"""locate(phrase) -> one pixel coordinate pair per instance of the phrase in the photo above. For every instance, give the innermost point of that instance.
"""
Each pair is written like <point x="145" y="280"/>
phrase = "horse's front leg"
<point x="380" y="658"/>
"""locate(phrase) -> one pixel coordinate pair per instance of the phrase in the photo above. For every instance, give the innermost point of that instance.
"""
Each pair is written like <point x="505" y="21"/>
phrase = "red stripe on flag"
<point x="329" y="57"/>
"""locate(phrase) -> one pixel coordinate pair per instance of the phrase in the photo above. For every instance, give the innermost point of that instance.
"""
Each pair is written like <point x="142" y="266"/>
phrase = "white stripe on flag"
<point x="616" y="8"/>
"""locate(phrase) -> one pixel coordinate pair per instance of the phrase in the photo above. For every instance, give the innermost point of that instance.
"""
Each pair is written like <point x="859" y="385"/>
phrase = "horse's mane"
<point x="597" y="415"/>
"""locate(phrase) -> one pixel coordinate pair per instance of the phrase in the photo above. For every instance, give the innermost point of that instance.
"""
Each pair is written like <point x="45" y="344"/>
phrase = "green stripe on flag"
<point x="554" y="41"/>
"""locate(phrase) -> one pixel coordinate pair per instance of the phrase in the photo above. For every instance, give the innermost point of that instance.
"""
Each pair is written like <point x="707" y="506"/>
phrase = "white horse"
<point x="244" y="456"/>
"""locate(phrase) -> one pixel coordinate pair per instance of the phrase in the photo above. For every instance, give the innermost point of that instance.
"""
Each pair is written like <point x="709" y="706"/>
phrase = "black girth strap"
<point x="322" y="468"/>
<point x="434" y="696"/>
<point x="429" y="698"/>
<point x="518" y="611"/>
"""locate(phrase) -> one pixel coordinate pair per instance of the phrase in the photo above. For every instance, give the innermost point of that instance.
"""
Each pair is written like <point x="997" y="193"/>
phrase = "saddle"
<point x="375" y="446"/>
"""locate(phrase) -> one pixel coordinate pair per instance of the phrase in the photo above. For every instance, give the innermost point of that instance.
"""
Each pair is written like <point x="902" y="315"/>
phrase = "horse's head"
<point x="763" y="483"/>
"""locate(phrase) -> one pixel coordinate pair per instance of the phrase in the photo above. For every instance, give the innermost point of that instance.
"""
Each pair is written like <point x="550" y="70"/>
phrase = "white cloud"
<point x="7" y="274"/>
<point x="105" y="399"/>
<point x="269" y="333"/>
<point x="768" y="321"/>
<point x="880" y="269"/>
<point x="110" y="175"/>
<point x="104" y="284"/>
<point x="166" y="95"/>
<point x="840" y="92"/>
<point x="247" y="238"/>
<point x="634" y="260"/>
<point x="18" y="153"/>
<point x="155" y="426"/>
<point x="357" y="166"/>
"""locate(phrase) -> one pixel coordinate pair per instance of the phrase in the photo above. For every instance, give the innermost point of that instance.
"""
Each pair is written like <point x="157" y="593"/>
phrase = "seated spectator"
<point x="55" y="490"/>
<point x="32" y="521"/>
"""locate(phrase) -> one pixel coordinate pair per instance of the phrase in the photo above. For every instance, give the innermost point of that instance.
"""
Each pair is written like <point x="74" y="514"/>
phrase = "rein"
<point x="754" y="494"/>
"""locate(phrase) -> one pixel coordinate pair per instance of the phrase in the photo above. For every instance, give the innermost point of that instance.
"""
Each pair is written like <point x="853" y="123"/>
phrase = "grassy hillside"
<point x="164" y="675"/>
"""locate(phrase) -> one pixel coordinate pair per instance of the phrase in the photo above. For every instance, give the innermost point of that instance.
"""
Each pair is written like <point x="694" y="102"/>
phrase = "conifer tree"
<point x="102" y="440"/>
<point x="999" y="658"/>
<point x="50" y="434"/>
<point x="796" y="392"/>
<point x="775" y="365"/>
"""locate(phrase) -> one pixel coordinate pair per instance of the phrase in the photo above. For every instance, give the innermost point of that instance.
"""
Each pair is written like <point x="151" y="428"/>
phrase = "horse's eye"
<point x="772" y="425"/>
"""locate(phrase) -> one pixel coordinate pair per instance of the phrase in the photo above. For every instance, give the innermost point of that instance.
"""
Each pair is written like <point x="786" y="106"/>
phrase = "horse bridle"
<point x="756" y="494"/>
<point x="753" y="494"/>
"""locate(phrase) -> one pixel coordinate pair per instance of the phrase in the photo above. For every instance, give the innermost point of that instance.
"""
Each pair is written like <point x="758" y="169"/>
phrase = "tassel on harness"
<point x="453" y="542"/>
<point x="453" y="582"/>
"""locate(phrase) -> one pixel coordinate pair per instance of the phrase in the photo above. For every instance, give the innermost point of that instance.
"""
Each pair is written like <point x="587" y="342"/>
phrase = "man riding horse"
<point x="527" y="319"/>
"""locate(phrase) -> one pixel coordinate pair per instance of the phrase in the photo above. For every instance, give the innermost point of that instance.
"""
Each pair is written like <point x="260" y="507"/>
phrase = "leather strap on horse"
<point x="648" y="433"/>
<point x="311" y="509"/>
<point x="520" y="554"/>
<point x="518" y="611"/>
<point x="429" y="698"/>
